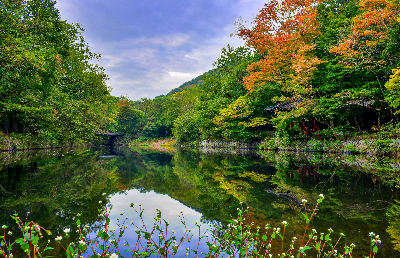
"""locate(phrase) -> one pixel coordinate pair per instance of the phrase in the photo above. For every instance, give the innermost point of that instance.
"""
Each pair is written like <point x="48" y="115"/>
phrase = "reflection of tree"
<point x="232" y="179"/>
<point x="54" y="188"/>
<point x="355" y="196"/>
<point x="393" y="216"/>
<point x="215" y="184"/>
<point x="192" y="169"/>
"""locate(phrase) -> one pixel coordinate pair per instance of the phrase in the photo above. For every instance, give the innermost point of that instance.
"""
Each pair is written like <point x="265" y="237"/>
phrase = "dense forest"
<point x="48" y="87"/>
<point x="326" y="68"/>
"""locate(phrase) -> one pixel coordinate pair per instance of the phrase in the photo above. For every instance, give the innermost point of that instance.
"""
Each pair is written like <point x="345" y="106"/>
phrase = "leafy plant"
<point x="238" y="238"/>
<point x="29" y="242"/>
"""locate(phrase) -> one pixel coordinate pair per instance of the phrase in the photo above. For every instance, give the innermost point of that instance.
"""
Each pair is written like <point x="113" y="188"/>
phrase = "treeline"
<point x="325" y="68"/>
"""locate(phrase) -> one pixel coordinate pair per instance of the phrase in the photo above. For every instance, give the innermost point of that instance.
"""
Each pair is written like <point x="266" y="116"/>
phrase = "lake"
<point x="208" y="186"/>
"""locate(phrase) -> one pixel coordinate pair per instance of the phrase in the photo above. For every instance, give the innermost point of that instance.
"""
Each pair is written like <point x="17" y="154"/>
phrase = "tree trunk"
<point x="380" y="113"/>
<point x="358" y="125"/>
<point x="330" y="124"/>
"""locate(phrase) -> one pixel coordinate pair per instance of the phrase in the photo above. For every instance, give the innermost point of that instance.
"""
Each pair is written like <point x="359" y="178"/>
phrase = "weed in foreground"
<point x="238" y="239"/>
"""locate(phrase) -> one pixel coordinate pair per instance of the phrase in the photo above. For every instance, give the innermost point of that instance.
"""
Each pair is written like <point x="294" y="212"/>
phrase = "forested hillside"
<point x="196" y="81"/>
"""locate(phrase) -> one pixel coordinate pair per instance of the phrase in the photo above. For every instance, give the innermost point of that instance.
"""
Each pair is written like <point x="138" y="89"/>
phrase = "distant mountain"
<point x="195" y="81"/>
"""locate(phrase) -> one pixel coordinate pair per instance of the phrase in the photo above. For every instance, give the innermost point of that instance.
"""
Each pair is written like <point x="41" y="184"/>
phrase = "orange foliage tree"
<point x="284" y="33"/>
<point x="372" y="45"/>
<point x="366" y="44"/>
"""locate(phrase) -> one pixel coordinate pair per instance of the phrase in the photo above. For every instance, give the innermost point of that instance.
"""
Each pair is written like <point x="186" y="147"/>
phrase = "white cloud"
<point x="141" y="71"/>
<point x="110" y="61"/>
<point x="175" y="40"/>
<point x="148" y="66"/>
<point x="181" y="75"/>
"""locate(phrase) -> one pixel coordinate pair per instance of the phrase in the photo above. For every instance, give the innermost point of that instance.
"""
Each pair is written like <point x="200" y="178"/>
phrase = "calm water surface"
<point x="361" y="192"/>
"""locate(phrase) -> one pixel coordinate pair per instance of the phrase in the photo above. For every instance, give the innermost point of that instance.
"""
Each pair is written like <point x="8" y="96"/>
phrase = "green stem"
<point x="370" y="253"/>
<point x="283" y="236"/>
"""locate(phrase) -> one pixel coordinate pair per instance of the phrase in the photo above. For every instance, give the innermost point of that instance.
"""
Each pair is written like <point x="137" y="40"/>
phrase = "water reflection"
<point x="55" y="185"/>
<point x="149" y="202"/>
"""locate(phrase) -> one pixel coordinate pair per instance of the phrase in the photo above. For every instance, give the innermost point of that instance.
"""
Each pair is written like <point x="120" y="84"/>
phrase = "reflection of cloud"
<point x="149" y="202"/>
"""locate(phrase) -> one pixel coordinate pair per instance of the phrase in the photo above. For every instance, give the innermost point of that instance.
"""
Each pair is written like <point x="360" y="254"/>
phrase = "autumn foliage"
<point x="327" y="64"/>
<point x="369" y="35"/>
<point x="284" y="33"/>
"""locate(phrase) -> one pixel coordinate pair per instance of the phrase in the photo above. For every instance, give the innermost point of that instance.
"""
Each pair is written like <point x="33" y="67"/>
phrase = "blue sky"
<point x="149" y="47"/>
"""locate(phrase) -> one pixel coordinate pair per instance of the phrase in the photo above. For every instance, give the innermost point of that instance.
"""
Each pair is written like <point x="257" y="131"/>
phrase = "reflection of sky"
<point x="151" y="201"/>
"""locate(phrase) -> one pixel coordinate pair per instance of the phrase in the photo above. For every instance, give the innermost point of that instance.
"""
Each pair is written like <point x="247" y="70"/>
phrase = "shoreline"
<point x="389" y="147"/>
<point x="15" y="142"/>
<point x="368" y="146"/>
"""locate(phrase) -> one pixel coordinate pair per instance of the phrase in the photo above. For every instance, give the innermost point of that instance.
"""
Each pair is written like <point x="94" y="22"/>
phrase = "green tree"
<point x="128" y="117"/>
<point x="223" y="108"/>
<point x="47" y="85"/>
<point x="157" y="119"/>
